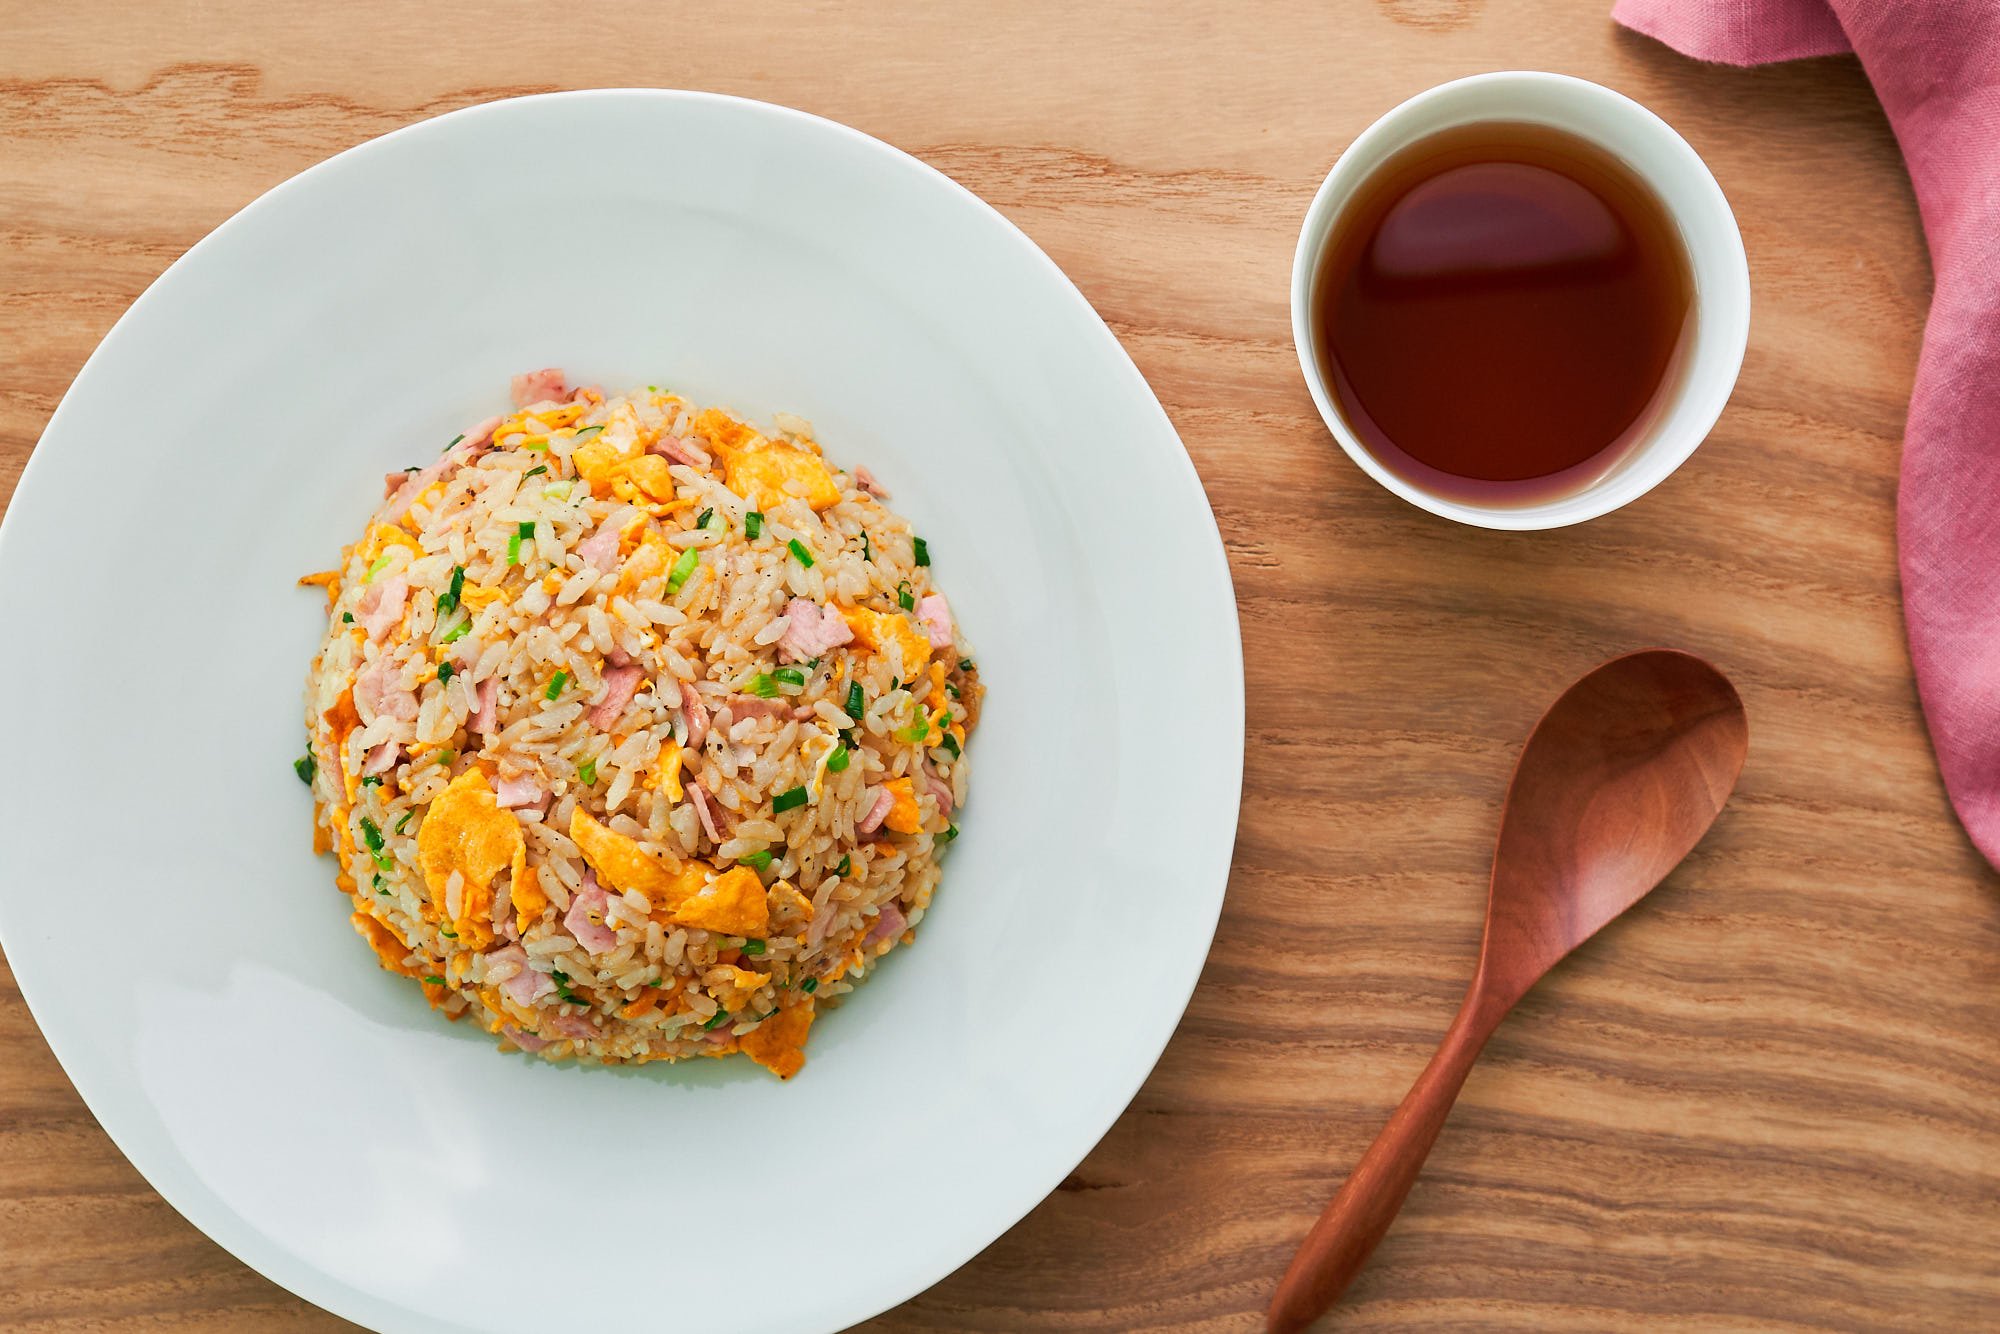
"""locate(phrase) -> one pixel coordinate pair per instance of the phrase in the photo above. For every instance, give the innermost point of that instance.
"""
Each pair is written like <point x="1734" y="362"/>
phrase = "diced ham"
<point x="679" y="449"/>
<point x="888" y="922"/>
<point x="526" y="986"/>
<point x="620" y="684"/>
<point x="707" y="817"/>
<point x="485" y="711"/>
<point x="392" y="482"/>
<point x="383" y="695"/>
<point x="585" y="919"/>
<point x="600" y="549"/>
<point x="381" y="759"/>
<point x="803" y="712"/>
<point x="939" y="789"/>
<point x="865" y="481"/>
<point x="382" y="604"/>
<point x="477" y="441"/>
<point x="754" y="706"/>
<point x="811" y="630"/>
<point x="543" y="386"/>
<point x="697" y="716"/>
<point x="575" y="1026"/>
<point x="618" y="657"/>
<point x="885" y="800"/>
<point x="523" y="1039"/>
<point x="935" y="613"/>
<point x="590" y="393"/>
<point x="518" y="790"/>
<point x="462" y="451"/>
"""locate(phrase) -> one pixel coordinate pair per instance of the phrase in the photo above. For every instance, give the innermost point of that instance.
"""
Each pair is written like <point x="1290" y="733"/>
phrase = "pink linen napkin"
<point x="1936" y="66"/>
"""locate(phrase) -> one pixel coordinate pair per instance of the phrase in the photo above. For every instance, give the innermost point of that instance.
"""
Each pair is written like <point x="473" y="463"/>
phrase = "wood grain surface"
<point x="1769" y="1098"/>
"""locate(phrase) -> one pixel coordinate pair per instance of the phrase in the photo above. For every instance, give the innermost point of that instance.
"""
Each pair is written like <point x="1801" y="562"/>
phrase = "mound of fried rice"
<point x="636" y="732"/>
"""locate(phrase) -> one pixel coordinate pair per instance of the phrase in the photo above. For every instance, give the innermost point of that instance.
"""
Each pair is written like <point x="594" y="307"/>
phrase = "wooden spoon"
<point x="1618" y="782"/>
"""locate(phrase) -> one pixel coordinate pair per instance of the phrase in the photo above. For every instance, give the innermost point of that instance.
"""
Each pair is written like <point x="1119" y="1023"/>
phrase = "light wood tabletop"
<point x="1768" y="1098"/>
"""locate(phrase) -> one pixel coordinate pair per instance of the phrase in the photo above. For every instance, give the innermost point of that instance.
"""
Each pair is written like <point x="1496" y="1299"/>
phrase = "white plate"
<point x="191" y="962"/>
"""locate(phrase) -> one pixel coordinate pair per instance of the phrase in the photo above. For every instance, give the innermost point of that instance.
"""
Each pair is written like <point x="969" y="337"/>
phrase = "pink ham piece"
<point x="462" y="451"/>
<point x="755" y="706"/>
<point x="811" y="630"/>
<point x="697" y="716"/>
<point x="542" y="386"/>
<point x="678" y="449"/>
<point x="935" y="613"/>
<point x="526" y="986"/>
<point x="600" y="549"/>
<point x="618" y="657"/>
<point x="523" y="1039"/>
<point x="392" y="482"/>
<point x="620" y="684"/>
<point x="588" y="393"/>
<point x="586" y="917"/>
<point x="575" y="1026"/>
<point x="485" y="708"/>
<point x="384" y="697"/>
<point x="381" y="759"/>
<point x="702" y="813"/>
<point x="519" y="790"/>
<point x="939" y="789"/>
<point x="865" y="481"/>
<point x="889" y="922"/>
<point x="382" y="604"/>
<point x="885" y="801"/>
<point x="477" y="441"/>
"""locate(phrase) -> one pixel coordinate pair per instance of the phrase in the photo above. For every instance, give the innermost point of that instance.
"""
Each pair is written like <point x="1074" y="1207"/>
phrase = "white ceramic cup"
<point x="1649" y="147"/>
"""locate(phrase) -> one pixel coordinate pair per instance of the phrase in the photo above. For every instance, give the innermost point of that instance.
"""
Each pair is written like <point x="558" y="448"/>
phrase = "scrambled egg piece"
<point x="467" y="831"/>
<point x="667" y="771"/>
<point x="622" y="864"/>
<point x="724" y="431"/>
<point x="875" y="629"/>
<point x="903" y="817"/>
<point x="327" y="579"/>
<point x="389" y="947"/>
<point x="769" y="476"/>
<point x="732" y="904"/>
<point x="779" y="1043"/>
<point x="383" y="536"/>
<point x="527" y="897"/>
<point x="476" y="596"/>
<point x="741" y="981"/>
<point x="787" y="895"/>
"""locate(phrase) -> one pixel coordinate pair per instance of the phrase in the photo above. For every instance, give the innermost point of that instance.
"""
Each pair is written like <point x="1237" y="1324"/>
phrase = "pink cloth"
<point x="1936" y="66"/>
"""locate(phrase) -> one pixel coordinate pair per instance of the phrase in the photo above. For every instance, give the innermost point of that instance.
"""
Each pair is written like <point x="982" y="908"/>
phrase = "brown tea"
<point x="1501" y="312"/>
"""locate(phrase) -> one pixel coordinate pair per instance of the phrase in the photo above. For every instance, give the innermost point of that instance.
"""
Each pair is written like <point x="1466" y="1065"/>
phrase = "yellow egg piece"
<point x="779" y="1043"/>
<point x="732" y="904"/>
<point x="468" y="832"/>
<point x="903" y="817"/>
<point x="622" y="864"/>
<point x="875" y="629"/>
<point x="770" y="476"/>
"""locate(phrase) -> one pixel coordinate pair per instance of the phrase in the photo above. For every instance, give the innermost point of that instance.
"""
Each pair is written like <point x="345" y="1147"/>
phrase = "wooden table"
<point x="1769" y="1099"/>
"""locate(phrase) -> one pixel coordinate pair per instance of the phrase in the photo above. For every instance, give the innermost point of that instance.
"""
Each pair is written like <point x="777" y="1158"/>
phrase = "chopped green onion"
<point x="445" y="757"/>
<point x="434" y="979"/>
<point x="895" y="684"/>
<point x="444" y="672"/>
<point x="837" y="760"/>
<point x="526" y="530"/>
<point x="951" y="690"/>
<point x="904" y="597"/>
<point x="413" y="468"/>
<point x="449" y="935"/>
<point x="557" y="490"/>
<point x="372" y="780"/>
<point x="950" y="743"/>
<point x="381" y="563"/>
<point x="459" y="631"/>
<point x="789" y="676"/>
<point x="682" y="569"/>
<point x="305" y="766"/>
<point x="799" y="553"/>
<point x="514" y="549"/>
<point x="950" y="833"/>
<point x="753" y="946"/>
<point x="561" y="979"/>
<point x="920" y="551"/>
<point x="789" y="800"/>
<point x="762" y="686"/>
<point x="586" y="773"/>
<point x="371" y="834"/>
<point x="556" y="684"/>
<point x="759" y="860"/>
<point x="588" y="430"/>
<point x="448" y="600"/>
<point x="380" y="888"/>
<point x="706" y="515"/>
<point x="916" y="731"/>
<point x="535" y="471"/>
<point x="753" y="524"/>
<point x="857" y="705"/>
<point x="455" y="439"/>
<point x="965" y="664"/>
<point x="846" y="864"/>
<point x="347" y="618"/>
<point x="867" y="552"/>
<point x="540" y="445"/>
<point x="652" y="389"/>
<point x="720" y="1017"/>
<point x="404" y="823"/>
<point x="809" y="986"/>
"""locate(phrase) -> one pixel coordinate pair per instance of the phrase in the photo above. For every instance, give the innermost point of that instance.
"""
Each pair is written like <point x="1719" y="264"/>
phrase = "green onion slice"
<point x="857" y="705"/>
<point x="790" y="800"/>
<point x="759" y="860"/>
<point x="682" y="569"/>
<point x="586" y="773"/>
<point x="305" y="766"/>
<point x="799" y="553"/>
<point x="556" y="684"/>
<point x="920" y="551"/>
<point x="753" y="524"/>
<point x="789" y="676"/>
<point x="837" y="759"/>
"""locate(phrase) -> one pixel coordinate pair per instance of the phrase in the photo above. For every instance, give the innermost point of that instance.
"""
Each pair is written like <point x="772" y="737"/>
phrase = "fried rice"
<point x="636" y="732"/>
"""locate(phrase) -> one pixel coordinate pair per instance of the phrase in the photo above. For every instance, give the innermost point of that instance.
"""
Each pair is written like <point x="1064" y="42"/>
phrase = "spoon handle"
<point x="1354" y="1223"/>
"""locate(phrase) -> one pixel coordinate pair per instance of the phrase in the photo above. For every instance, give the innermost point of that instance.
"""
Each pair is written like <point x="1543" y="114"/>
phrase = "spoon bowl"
<point x="1617" y="783"/>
